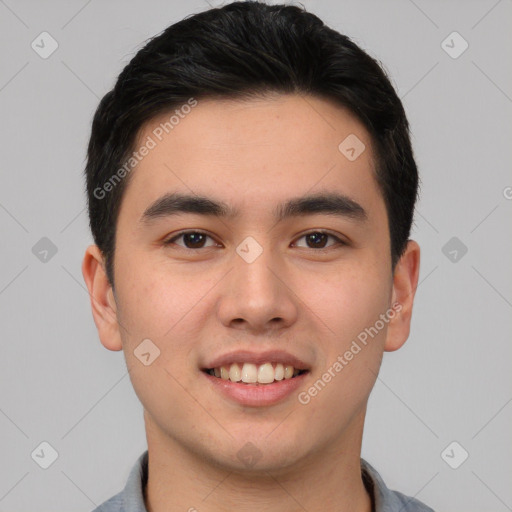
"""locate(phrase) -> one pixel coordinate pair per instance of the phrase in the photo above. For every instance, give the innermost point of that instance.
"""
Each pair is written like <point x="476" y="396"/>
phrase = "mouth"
<point x="255" y="379"/>
<point x="253" y="374"/>
<point x="252" y="388"/>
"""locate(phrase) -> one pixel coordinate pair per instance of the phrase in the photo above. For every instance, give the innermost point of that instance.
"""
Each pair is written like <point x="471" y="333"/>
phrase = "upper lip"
<point x="249" y="356"/>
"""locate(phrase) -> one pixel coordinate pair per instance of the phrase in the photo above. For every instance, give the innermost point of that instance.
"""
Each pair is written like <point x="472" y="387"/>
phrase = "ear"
<point x="405" y="282"/>
<point x="103" y="304"/>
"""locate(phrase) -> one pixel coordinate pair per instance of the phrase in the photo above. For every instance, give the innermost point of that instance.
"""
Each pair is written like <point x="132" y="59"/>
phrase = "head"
<point x="246" y="109"/>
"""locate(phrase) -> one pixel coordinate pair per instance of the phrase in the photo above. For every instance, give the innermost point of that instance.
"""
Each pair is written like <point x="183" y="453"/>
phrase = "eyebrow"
<point x="323" y="203"/>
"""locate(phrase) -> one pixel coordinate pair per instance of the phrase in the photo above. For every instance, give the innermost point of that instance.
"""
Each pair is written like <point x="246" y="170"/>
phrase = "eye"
<point x="196" y="240"/>
<point x="192" y="239"/>
<point x="318" y="239"/>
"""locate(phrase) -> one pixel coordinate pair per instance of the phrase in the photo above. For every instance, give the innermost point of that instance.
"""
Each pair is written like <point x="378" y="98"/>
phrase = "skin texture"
<point x="196" y="304"/>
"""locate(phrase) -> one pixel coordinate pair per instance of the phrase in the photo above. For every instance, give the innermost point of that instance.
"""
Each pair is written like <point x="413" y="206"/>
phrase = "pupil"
<point x="315" y="237"/>
<point x="196" y="238"/>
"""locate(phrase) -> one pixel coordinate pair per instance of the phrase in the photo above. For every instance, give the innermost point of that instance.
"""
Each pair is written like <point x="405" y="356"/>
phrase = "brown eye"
<point x="318" y="239"/>
<point x="191" y="239"/>
<point x="196" y="240"/>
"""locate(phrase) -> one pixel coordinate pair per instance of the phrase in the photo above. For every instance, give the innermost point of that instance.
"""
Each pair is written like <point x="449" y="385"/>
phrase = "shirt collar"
<point x="135" y="488"/>
<point x="383" y="499"/>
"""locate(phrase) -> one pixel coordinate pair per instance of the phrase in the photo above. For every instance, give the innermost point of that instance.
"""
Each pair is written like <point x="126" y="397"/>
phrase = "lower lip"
<point x="257" y="395"/>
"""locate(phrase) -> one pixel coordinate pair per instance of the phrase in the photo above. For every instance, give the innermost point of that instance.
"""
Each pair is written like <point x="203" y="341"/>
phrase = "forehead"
<point x="254" y="152"/>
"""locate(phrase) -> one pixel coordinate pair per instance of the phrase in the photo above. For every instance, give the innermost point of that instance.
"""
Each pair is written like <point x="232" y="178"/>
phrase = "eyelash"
<point x="170" y="241"/>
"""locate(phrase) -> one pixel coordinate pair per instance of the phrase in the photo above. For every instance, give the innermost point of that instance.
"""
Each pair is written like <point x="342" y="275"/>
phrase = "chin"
<point x="253" y="455"/>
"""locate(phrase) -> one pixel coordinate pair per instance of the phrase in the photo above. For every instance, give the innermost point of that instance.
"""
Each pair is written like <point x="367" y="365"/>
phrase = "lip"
<point x="249" y="356"/>
<point x="256" y="395"/>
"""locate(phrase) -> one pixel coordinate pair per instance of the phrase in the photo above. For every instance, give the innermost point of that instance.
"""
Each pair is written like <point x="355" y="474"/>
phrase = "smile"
<point x="250" y="373"/>
<point x="252" y="392"/>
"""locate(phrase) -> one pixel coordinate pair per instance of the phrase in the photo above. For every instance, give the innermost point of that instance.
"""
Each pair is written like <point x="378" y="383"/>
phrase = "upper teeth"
<point x="251" y="373"/>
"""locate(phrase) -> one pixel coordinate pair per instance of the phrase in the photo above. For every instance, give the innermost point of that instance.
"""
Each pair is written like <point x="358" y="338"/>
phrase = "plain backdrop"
<point x="451" y="382"/>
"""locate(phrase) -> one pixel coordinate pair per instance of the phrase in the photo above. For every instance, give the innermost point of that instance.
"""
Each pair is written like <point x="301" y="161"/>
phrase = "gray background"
<point x="450" y="382"/>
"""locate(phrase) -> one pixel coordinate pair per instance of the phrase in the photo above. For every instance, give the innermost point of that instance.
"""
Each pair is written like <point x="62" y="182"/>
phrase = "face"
<point x="295" y="286"/>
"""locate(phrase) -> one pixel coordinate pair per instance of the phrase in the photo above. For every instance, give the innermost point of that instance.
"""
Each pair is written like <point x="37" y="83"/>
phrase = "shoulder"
<point x="407" y="503"/>
<point x="387" y="500"/>
<point x="114" y="504"/>
<point x="131" y="498"/>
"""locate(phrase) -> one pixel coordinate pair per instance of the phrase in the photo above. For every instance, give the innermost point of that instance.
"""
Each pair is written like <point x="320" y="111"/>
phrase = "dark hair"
<point x="239" y="51"/>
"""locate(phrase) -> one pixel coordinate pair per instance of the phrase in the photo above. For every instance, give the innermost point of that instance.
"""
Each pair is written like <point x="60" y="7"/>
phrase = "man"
<point x="251" y="188"/>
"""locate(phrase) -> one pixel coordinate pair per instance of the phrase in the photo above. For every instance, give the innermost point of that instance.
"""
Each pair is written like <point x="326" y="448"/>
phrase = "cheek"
<point x="347" y="301"/>
<point x="152" y="299"/>
<point x="165" y="304"/>
<point x="158" y="305"/>
<point x="348" y="307"/>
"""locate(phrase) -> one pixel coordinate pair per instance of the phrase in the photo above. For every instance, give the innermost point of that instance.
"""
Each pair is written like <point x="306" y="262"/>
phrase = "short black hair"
<point x="241" y="51"/>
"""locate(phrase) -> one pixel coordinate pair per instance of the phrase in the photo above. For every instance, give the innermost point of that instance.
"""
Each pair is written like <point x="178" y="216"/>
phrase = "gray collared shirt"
<point x="131" y="498"/>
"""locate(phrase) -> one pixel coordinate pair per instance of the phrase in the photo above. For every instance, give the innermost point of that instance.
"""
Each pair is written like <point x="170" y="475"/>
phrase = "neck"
<point x="328" y="480"/>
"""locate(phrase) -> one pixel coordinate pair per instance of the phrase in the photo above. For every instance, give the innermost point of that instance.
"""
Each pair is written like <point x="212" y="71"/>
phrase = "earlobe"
<point x="405" y="282"/>
<point x="103" y="304"/>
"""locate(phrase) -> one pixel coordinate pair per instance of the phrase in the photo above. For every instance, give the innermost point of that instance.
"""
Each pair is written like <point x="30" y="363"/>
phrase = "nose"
<point x="257" y="295"/>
